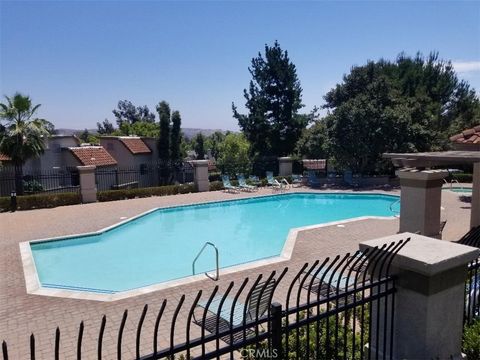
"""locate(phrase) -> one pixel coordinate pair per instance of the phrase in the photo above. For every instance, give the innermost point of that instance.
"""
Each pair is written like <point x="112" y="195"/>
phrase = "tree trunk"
<point x="19" y="179"/>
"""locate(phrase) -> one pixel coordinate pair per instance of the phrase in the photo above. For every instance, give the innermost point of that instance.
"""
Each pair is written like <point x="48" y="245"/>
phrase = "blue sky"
<point x="78" y="59"/>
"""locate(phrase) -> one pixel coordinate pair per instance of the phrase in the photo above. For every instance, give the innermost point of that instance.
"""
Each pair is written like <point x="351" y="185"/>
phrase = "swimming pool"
<point x="161" y="245"/>
<point x="460" y="189"/>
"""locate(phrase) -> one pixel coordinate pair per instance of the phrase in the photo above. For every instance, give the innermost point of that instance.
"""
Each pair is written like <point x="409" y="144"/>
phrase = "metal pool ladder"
<point x="216" y="276"/>
<point x="396" y="213"/>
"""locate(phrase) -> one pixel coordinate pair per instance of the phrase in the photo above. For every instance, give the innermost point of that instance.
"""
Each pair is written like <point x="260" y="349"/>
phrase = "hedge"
<point x="216" y="185"/>
<point x="463" y="177"/>
<point x="39" y="201"/>
<point x="112" y="195"/>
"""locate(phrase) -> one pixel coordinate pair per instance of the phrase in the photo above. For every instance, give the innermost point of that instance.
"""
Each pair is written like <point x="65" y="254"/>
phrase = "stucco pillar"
<point x="285" y="165"/>
<point x="88" y="187"/>
<point x="475" y="212"/>
<point x="420" y="201"/>
<point x="429" y="298"/>
<point x="200" y="176"/>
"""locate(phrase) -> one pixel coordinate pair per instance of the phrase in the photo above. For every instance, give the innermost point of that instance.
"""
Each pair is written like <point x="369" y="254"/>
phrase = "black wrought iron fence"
<point x="472" y="283"/>
<point x="30" y="182"/>
<point x="142" y="176"/>
<point x="328" y="309"/>
<point x="472" y="292"/>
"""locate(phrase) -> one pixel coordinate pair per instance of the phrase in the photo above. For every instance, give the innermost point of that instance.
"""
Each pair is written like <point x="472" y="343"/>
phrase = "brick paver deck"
<point x="22" y="314"/>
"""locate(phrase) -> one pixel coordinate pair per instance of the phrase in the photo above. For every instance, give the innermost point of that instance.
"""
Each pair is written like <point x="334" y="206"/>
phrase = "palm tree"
<point x="23" y="136"/>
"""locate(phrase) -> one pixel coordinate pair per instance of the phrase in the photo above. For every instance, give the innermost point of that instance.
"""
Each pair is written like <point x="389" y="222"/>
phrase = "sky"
<point x="78" y="59"/>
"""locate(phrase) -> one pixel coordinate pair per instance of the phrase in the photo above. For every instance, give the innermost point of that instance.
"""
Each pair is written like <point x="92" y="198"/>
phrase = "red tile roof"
<point x="93" y="155"/>
<point x="135" y="145"/>
<point x="4" y="157"/>
<point x="469" y="136"/>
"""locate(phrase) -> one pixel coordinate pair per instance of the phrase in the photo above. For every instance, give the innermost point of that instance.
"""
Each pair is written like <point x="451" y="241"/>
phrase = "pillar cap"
<point x="86" y="168"/>
<point x="285" y="159"/>
<point x="425" y="255"/>
<point x="199" y="162"/>
<point x="416" y="174"/>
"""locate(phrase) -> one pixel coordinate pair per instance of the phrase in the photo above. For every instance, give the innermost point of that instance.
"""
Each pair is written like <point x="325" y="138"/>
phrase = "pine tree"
<point x="273" y="100"/>
<point x="175" y="137"/>
<point x="200" y="147"/>
<point x="163" y="110"/>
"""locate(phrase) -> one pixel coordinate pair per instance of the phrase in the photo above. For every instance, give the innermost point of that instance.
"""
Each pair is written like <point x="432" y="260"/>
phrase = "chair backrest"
<point x="348" y="177"/>
<point x="226" y="180"/>
<point x="241" y="179"/>
<point x="260" y="299"/>
<point x="270" y="178"/>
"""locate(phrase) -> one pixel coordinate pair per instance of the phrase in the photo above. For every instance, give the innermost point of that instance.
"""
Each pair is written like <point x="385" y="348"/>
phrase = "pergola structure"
<point x="421" y="187"/>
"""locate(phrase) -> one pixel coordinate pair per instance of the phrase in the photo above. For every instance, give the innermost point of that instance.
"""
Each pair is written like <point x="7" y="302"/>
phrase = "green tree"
<point x="214" y="142"/>
<point x="312" y="143"/>
<point x="233" y="155"/>
<point x="84" y="135"/>
<point x="139" y="128"/>
<point x="163" y="110"/>
<point x="176" y="137"/>
<point x="128" y="113"/>
<point x="411" y="104"/>
<point x="273" y="124"/>
<point x="24" y="134"/>
<point x="200" y="146"/>
<point x="105" y="127"/>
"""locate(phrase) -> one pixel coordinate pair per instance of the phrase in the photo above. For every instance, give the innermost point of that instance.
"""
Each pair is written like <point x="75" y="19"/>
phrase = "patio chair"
<point x="442" y="226"/>
<point x="227" y="185"/>
<point x="328" y="283"/>
<point x="235" y="315"/>
<point x="242" y="184"/>
<point x="254" y="180"/>
<point x="313" y="180"/>
<point x="274" y="183"/>
<point x="349" y="179"/>
<point x="471" y="238"/>
<point x="297" y="180"/>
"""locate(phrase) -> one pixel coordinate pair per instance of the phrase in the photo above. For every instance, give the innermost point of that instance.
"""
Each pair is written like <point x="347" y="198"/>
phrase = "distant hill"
<point x="187" y="132"/>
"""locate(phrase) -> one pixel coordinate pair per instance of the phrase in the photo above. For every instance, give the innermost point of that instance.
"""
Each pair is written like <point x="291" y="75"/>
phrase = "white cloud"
<point x="466" y="66"/>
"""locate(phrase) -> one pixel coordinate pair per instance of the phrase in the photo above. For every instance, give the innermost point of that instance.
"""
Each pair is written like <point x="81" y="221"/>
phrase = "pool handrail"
<point x="217" y="274"/>
<point x="396" y="213"/>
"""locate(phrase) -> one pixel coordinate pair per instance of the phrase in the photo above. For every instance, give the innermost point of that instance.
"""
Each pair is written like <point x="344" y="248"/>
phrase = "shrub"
<point x="112" y="195"/>
<point x="215" y="176"/>
<point x="463" y="177"/>
<point x="32" y="186"/>
<point x="40" y="201"/>
<point x="471" y="341"/>
<point x="216" y="185"/>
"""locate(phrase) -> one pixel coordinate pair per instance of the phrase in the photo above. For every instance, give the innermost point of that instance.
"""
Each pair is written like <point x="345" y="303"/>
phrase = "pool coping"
<point x="34" y="286"/>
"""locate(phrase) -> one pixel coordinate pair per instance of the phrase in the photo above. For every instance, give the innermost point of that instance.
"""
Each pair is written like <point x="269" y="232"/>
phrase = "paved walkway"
<point x="22" y="314"/>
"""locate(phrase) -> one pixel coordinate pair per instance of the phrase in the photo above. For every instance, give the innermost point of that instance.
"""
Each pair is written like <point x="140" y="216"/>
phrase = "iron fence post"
<point x="276" y="326"/>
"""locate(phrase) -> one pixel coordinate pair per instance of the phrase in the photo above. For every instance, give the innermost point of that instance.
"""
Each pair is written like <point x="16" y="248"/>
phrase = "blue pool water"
<point x="461" y="190"/>
<point x="161" y="245"/>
